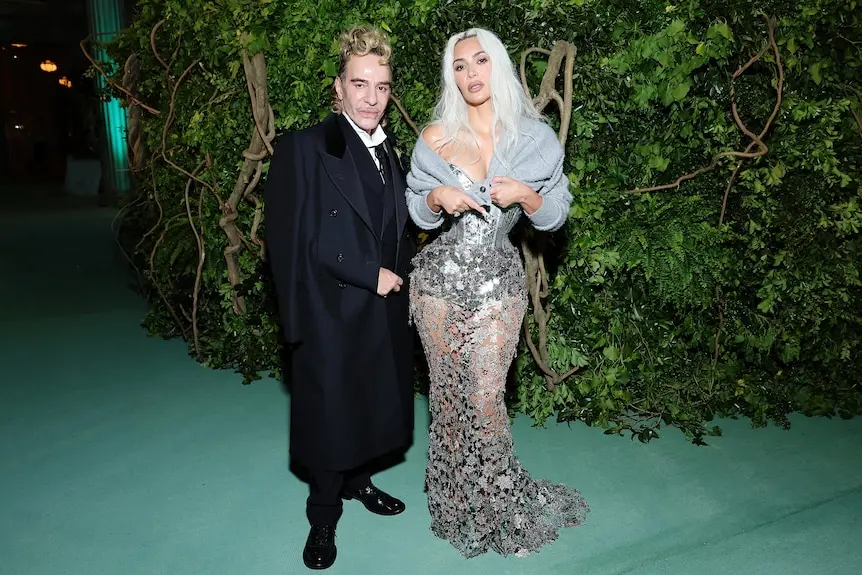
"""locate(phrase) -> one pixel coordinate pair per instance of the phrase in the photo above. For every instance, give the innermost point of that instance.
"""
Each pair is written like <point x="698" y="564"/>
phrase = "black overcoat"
<point x="351" y="369"/>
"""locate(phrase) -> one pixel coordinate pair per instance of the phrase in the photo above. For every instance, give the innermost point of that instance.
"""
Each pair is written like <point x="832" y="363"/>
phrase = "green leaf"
<point x="675" y="27"/>
<point x="611" y="352"/>
<point x="330" y="68"/>
<point x="681" y="90"/>
<point x="658" y="163"/>
<point x="724" y="30"/>
<point x="791" y="45"/>
<point x="814" y="71"/>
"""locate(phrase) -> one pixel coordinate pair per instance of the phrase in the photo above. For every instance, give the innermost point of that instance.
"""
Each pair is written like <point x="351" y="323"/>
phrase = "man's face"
<point x="364" y="90"/>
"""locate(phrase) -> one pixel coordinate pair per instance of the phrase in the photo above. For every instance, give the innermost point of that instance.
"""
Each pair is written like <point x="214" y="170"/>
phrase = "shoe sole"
<point x="349" y="498"/>
<point x="321" y="567"/>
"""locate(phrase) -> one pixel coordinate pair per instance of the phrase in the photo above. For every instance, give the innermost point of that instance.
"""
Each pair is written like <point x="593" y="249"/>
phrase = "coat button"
<point x="340" y="258"/>
<point x="333" y="213"/>
<point x="482" y="189"/>
<point x="342" y="285"/>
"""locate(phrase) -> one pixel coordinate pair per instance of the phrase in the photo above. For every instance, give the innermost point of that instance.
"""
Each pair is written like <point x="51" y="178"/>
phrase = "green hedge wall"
<point x="735" y="292"/>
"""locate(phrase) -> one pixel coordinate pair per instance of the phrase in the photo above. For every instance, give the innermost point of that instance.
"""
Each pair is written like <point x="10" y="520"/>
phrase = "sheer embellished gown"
<point x="468" y="300"/>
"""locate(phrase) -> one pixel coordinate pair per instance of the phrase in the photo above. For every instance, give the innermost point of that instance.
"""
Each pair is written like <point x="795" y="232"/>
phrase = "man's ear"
<point x="339" y="88"/>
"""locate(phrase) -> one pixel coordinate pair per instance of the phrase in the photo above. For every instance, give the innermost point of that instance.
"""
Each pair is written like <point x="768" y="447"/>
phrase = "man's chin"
<point x="368" y="123"/>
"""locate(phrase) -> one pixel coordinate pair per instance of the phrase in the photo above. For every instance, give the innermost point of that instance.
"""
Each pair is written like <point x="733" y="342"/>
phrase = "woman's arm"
<point x="549" y="209"/>
<point x="420" y="212"/>
<point x="421" y="204"/>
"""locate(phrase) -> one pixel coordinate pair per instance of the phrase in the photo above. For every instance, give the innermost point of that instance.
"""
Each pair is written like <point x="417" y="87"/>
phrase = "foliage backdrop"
<point x="736" y="292"/>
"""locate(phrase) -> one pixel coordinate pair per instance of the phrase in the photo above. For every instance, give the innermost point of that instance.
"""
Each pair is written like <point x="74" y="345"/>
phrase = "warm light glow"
<point x="48" y="66"/>
<point x="64" y="81"/>
<point x="19" y="45"/>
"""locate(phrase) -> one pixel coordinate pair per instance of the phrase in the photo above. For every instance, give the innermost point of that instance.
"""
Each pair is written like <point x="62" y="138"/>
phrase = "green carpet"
<point x="121" y="455"/>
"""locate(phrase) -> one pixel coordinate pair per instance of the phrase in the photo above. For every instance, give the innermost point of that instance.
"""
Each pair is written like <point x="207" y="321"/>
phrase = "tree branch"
<point x="757" y="140"/>
<point x="535" y="272"/>
<point x="201" y="257"/>
<point x="404" y="114"/>
<point x="110" y="81"/>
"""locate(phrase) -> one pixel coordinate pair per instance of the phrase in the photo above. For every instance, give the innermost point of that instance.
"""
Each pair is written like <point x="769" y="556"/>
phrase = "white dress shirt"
<point x="371" y="141"/>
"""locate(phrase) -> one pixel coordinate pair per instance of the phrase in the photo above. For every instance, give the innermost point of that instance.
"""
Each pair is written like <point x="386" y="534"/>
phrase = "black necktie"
<point x="383" y="160"/>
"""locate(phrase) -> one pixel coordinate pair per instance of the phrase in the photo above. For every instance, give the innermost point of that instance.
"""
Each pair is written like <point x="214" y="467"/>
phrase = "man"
<point x="338" y="247"/>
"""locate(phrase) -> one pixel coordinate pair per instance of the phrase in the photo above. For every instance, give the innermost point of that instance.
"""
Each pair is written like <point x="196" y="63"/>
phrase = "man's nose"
<point x="371" y="97"/>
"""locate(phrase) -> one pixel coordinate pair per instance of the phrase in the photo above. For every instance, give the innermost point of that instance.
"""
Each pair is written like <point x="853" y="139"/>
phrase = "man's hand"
<point x="388" y="282"/>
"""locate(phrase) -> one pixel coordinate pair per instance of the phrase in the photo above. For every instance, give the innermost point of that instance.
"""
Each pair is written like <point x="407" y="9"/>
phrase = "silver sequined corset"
<point x="473" y="261"/>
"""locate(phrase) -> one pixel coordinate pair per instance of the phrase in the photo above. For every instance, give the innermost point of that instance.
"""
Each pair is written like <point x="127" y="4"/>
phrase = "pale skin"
<point x="364" y="91"/>
<point x="472" y="68"/>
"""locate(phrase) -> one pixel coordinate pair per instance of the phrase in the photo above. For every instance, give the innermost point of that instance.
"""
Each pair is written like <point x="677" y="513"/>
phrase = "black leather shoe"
<point x="376" y="501"/>
<point x="320" y="550"/>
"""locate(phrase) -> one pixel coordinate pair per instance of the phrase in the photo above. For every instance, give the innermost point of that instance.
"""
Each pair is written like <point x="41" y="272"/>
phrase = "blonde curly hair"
<point x="360" y="41"/>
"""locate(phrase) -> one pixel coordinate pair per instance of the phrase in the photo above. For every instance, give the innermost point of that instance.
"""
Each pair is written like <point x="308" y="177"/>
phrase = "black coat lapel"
<point x="340" y="164"/>
<point x="399" y="182"/>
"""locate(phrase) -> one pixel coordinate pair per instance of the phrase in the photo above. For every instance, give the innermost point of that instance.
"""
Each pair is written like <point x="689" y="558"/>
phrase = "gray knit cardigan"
<point x="536" y="160"/>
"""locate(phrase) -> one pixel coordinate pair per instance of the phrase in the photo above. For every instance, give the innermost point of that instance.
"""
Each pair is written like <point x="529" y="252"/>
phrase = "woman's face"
<point x="472" y="67"/>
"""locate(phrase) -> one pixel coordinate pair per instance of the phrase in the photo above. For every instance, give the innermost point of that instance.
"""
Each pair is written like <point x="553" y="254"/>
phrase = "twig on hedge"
<point x="169" y="122"/>
<point x="158" y="205"/>
<point x="155" y="281"/>
<point x="264" y="134"/>
<point x="251" y="171"/>
<point x="201" y="258"/>
<point x="258" y="213"/>
<point x="172" y="107"/>
<point x="536" y="274"/>
<point x="110" y="81"/>
<point x="214" y="189"/>
<point x="858" y="120"/>
<point x="120" y="213"/>
<point x="158" y="56"/>
<point x="721" y="306"/>
<point x="135" y="138"/>
<point x="219" y="98"/>
<point x="524" y="56"/>
<point x="255" y="179"/>
<point x="852" y="111"/>
<point x="757" y="140"/>
<point x="562" y="51"/>
<point x="644" y="341"/>
<point x="404" y="113"/>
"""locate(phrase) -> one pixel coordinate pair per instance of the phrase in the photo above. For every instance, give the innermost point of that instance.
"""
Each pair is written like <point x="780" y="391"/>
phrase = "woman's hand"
<point x="453" y="201"/>
<point x="508" y="191"/>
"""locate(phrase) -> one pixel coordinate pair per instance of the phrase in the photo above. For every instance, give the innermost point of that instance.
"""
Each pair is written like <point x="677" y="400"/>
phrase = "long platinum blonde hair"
<point x="510" y="104"/>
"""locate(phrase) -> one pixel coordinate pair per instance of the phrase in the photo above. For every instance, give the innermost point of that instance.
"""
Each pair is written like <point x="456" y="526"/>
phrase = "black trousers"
<point x="324" y="506"/>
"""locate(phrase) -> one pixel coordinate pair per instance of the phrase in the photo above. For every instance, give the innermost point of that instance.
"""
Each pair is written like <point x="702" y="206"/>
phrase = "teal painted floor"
<point x="120" y="455"/>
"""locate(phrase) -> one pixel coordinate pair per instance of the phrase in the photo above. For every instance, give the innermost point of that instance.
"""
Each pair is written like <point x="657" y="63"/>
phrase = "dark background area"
<point x="43" y="122"/>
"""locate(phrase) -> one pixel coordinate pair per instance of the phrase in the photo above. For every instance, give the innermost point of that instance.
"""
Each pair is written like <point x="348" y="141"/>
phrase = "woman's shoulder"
<point x="538" y="128"/>
<point x="433" y="135"/>
<point x="539" y="136"/>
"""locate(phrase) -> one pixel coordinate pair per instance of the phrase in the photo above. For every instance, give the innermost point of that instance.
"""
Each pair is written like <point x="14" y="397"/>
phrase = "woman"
<point x="486" y="159"/>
